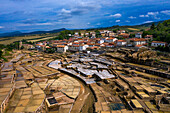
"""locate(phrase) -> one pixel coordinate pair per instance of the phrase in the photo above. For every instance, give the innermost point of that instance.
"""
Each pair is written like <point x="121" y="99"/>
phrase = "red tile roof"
<point x="40" y="45"/>
<point x="124" y="34"/>
<point x="48" y="47"/>
<point x="110" y="38"/>
<point x="138" y="45"/>
<point x="138" y="39"/>
<point x="121" y="40"/>
<point x="60" y="46"/>
<point x="90" y="44"/>
<point x="75" y="42"/>
<point x="76" y="45"/>
<point x="94" y="47"/>
<point x="149" y="36"/>
<point x="158" y="42"/>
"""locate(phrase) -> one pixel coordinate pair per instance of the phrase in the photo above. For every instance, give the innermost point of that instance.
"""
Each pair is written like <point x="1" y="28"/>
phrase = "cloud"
<point x="52" y="14"/>
<point x="143" y="15"/>
<point x="117" y="21"/>
<point x="65" y="11"/>
<point x="1" y="27"/>
<point x="37" y="24"/>
<point x="167" y="12"/>
<point x="147" y="22"/>
<point x="29" y="21"/>
<point x="47" y="23"/>
<point x="132" y="17"/>
<point x="153" y="13"/>
<point x="98" y="24"/>
<point x="76" y="11"/>
<point x="88" y="23"/>
<point x="150" y="14"/>
<point x="118" y="15"/>
<point x="127" y="21"/>
<point x="19" y="0"/>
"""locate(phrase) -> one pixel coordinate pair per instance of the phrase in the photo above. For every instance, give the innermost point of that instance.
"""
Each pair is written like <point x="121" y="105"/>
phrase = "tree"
<point x="160" y="26"/>
<point x="2" y="46"/>
<point x="161" y="32"/>
<point x="97" y="33"/>
<point x="60" y="37"/>
<point x="24" y="41"/>
<point x="79" y="34"/>
<point x="1" y="53"/>
<point x="142" y="30"/>
<point x="132" y="35"/>
<point x="22" y="47"/>
<point x="153" y="26"/>
<point x="115" y="30"/>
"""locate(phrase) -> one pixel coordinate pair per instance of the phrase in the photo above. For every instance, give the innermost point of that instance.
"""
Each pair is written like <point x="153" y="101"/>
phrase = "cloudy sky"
<point x="33" y="15"/>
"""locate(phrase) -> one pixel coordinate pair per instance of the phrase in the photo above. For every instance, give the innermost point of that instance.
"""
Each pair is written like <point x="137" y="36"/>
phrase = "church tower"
<point x="20" y="44"/>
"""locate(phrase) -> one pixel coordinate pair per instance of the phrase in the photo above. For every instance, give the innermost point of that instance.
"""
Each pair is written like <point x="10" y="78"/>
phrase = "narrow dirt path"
<point x="80" y="100"/>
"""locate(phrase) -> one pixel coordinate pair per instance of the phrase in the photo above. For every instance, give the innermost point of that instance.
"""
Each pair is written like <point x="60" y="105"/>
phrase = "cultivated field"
<point x="133" y="29"/>
<point x="9" y="40"/>
<point x="35" y="38"/>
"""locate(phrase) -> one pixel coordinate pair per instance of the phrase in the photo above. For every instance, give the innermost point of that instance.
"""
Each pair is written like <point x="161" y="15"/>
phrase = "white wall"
<point x="157" y="44"/>
<point x="138" y="35"/>
<point x="121" y="43"/>
<point x="139" y="42"/>
<point x="62" y="49"/>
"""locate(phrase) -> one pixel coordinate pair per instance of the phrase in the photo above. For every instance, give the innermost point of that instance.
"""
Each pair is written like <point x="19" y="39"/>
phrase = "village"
<point x="89" y="41"/>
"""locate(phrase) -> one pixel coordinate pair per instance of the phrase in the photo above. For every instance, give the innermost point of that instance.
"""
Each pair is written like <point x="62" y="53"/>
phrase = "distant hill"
<point x="141" y="26"/>
<point x="8" y="34"/>
<point x="18" y="33"/>
<point x="149" y="24"/>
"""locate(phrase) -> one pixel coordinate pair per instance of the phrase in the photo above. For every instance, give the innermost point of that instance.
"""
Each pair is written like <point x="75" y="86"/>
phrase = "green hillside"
<point x="160" y="32"/>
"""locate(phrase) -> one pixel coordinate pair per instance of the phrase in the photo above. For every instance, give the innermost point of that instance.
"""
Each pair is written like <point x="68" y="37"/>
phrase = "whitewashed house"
<point x="136" y="41"/>
<point x="111" y="34"/>
<point x="83" y="47"/>
<point x="111" y="40"/>
<point x="87" y="34"/>
<point x="78" y="47"/>
<point x="158" y="43"/>
<point x="121" y="42"/>
<point x="138" y="35"/>
<point x="100" y="41"/>
<point x="61" y="48"/>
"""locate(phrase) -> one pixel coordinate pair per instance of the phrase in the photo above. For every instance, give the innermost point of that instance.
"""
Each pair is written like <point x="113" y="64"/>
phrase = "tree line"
<point x="160" y="32"/>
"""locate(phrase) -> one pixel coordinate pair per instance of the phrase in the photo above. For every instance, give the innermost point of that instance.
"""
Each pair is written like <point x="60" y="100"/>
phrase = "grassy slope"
<point x="33" y="38"/>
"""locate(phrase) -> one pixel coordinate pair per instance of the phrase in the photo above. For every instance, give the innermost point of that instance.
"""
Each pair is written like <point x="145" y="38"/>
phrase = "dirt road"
<point x="83" y="97"/>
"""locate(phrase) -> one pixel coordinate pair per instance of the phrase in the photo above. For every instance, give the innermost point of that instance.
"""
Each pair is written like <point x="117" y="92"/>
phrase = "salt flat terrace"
<point x="6" y="89"/>
<point x="26" y="99"/>
<point x="20" y="81"/>
<point x="26" y="74"/>
<point x="55" y="64"/>
<point x="8" y="66"/>
<point x="17" y="58"/>
<point x="150" y="70"/>
<point x="88" y="70"/>
<point x="7" y="84"/>
<point x="66" y="84"/>
<point x="41" y="71"/>
<point x="75" y="74"/>
<point x="105" y="101"/>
